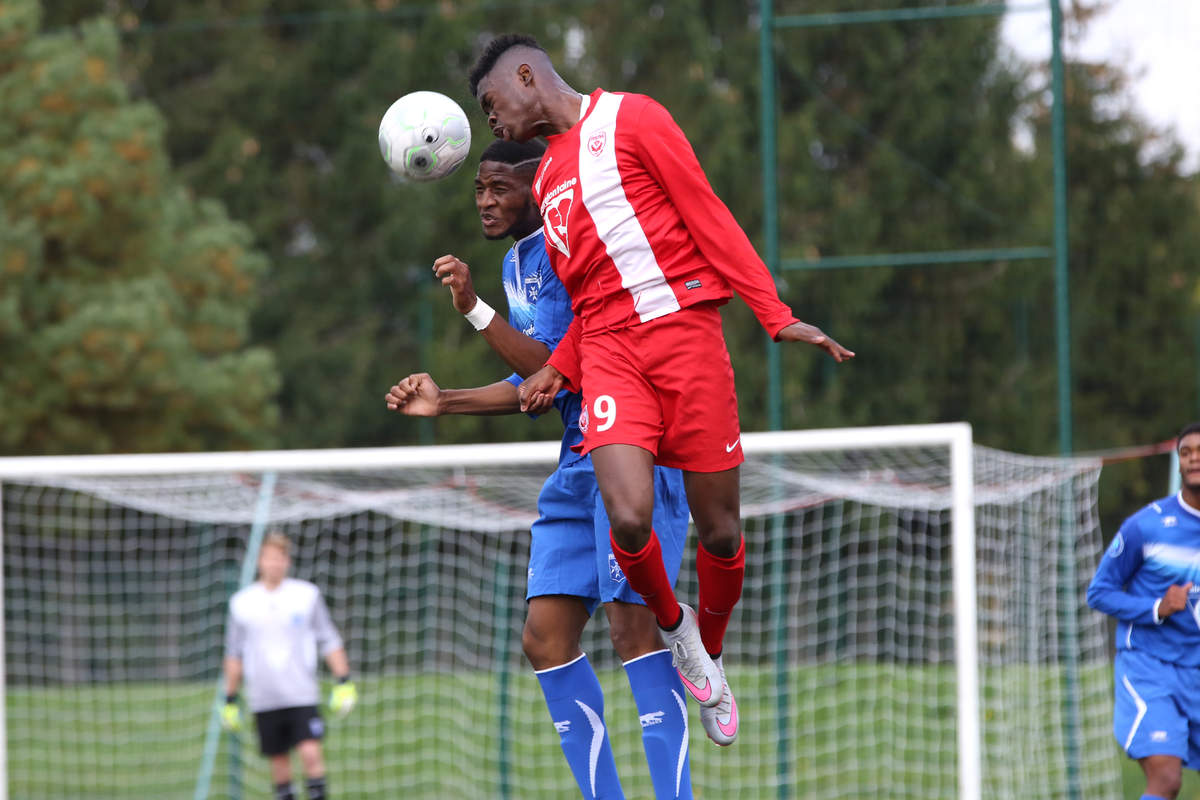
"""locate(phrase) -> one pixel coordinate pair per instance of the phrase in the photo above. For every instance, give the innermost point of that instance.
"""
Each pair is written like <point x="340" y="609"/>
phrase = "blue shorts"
<point x="571" y="552"/>
<point x="1157" y="708"/>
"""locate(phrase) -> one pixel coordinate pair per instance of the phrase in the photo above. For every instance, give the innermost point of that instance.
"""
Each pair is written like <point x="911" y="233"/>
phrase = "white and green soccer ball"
<point x="424" y="136"/>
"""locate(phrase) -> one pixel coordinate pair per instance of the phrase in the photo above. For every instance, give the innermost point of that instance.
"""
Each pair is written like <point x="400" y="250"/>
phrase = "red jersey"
<point x="633" y="228"/>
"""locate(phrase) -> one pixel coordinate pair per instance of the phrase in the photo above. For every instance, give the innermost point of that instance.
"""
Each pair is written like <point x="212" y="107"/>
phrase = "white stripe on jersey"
<point x="616" y="222"/>
<point x="1172" y="554"/>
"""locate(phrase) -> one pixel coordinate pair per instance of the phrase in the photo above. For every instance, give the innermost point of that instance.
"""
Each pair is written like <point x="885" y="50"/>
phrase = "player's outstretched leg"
<point x="576" y="703"/>
<point x="662" y="710"/>
<point x="721" y="721"/>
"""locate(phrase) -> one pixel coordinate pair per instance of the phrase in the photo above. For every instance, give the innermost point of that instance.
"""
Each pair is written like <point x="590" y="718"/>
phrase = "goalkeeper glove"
<point x="343" y="697"/>
<point x="231" y="714"/>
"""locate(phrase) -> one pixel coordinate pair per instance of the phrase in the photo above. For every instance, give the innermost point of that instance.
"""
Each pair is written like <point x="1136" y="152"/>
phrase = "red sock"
<point x="720" y="588"/>
<point x="648" y="577"/>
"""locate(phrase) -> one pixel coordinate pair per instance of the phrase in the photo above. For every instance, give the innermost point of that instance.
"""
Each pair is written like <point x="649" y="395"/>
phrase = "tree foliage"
<point x="125" y="299"/>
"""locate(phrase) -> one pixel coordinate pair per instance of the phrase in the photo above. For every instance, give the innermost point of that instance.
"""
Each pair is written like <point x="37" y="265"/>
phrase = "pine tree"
<point x="125" y="299"/>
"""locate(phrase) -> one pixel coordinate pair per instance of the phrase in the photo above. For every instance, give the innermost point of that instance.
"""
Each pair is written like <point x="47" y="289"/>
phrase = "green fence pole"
<point x="1062" y="279"/>
<point x="774" y="390"/>
<point x="212" y="736"/>
<point x="770" y="168"/>
<point x="502" y="602"/>
<point x="1065" y="427"/>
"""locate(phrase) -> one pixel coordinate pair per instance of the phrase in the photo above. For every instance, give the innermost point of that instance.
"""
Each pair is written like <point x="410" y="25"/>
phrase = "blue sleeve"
<point x="553" y="314"/>
<point x="1107" y="593"/>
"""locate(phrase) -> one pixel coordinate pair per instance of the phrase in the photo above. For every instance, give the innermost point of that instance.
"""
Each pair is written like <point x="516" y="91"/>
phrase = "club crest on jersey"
<point x="596" y="143"/>
<point x="583" y="419"/>
<point x="533" y="285"/>
<point x="1117" y="547"/>
<point x="555" y="213"/>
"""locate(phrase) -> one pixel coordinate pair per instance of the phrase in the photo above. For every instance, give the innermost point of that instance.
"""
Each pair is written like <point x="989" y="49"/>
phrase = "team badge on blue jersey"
<point x="614" y="570"/>
<point x="1117" y="547"/>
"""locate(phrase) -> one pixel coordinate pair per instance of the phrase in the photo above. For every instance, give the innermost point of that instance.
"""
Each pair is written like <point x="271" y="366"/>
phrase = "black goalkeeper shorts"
<point x="282" y="729"/>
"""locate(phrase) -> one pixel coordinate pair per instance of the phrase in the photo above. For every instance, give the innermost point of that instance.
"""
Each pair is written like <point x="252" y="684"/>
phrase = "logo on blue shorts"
<point x="614" y="570"/>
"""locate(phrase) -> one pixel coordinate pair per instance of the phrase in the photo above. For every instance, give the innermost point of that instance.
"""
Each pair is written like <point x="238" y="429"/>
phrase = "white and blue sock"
<point x="663" y="711"/>
<point x="576" y="704"/>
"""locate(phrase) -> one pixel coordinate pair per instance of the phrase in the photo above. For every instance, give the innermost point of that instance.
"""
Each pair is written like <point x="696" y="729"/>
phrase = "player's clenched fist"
<point x="538" y="391"/>
<point x="811" y="334"/>
<point x="457" y="276"/>
<point x="415" y="396"/>
<point x="1176" y="599"/>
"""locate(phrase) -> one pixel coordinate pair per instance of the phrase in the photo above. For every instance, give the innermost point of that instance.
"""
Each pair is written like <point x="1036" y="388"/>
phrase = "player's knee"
<point x="310" y="757"/>
<point x="630" y="527"/>
<point x="633" y="636"/>
<point x="532" y="645"/>
<point x="721" y="538"/>
<point x="542" y="650"/>
<point x="1164" y="781"/>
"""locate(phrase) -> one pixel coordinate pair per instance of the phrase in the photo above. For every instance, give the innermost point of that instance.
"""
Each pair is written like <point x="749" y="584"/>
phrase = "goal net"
<point x="912" y="624"/>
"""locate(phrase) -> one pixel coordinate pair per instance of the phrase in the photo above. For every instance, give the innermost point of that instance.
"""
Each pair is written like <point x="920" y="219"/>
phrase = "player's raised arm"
<point x="669" y="157"/>
<point x="524" y="355"/>
<point x="418" y="396"/>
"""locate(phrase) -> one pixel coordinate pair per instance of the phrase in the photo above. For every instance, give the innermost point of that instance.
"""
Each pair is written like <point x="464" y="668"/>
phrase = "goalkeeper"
<point x="275" y="627"/>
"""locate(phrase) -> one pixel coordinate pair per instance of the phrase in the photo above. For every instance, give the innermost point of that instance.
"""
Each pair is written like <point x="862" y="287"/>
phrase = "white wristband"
<point x="481" y="315"/>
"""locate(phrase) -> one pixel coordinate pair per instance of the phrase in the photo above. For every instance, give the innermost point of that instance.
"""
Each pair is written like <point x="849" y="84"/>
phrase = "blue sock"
<point x="1151" y="797"/>
<point x="576" y="704"/>
<point x="663" y="711"/>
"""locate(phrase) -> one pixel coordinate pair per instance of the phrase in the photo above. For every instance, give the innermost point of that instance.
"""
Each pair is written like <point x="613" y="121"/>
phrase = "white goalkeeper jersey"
<point x="276" y="635"/>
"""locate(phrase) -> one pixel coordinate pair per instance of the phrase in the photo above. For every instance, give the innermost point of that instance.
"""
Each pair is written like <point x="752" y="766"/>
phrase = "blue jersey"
<point x="1156" y="548"/>
<point x="538" y="306"/>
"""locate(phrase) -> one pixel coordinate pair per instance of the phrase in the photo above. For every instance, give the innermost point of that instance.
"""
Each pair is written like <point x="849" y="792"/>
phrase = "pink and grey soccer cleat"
<point x="721" y="721"/>
<point x="699" y="674"/>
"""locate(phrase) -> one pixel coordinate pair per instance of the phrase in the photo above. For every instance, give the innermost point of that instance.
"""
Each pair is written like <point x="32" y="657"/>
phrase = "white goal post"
<point x="885" y="510"/>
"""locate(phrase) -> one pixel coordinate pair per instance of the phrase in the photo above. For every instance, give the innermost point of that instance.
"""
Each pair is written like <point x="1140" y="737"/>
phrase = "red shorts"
<point x="666" y="386"/>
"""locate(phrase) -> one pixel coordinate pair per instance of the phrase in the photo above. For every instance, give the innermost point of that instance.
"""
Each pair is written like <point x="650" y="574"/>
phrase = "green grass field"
<point x="437" y="736"/>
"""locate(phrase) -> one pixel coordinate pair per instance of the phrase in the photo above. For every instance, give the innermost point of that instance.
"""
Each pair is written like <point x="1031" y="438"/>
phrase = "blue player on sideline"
<point x="571" y="565"/>
<point x="1149" y="580"/>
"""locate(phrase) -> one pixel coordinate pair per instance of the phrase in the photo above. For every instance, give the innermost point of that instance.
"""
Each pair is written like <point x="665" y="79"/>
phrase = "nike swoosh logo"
<point x="729" y="447"/>
<point x="597" y="740"/>
<point x="701" y="694"/>
<point x="730" y="727"/>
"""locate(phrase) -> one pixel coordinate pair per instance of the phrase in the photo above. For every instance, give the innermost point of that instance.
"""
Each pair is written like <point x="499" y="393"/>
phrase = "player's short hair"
<point x="518" y="154"/>
<point x="491" y="54"/>
<point x="277" y="539"/>
<point x="1191" y="427"/>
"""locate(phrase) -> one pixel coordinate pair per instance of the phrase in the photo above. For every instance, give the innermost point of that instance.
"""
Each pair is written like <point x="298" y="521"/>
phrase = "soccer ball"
<point x="424" y="136"/>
